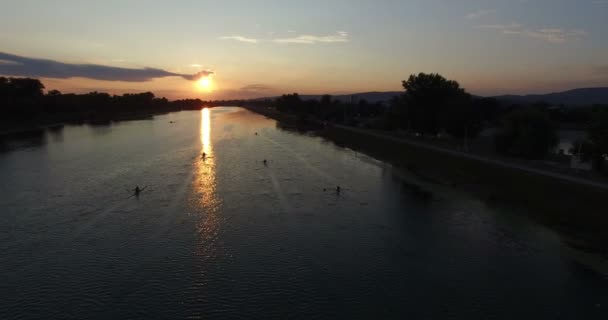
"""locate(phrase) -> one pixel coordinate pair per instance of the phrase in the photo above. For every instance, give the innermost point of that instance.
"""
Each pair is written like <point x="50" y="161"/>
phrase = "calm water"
<point x="229" y="237"/>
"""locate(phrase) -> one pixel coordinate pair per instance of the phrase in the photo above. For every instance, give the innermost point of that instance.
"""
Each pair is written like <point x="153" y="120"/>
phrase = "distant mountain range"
<point x="575" y="97"/>
<point x="371" y="97"/>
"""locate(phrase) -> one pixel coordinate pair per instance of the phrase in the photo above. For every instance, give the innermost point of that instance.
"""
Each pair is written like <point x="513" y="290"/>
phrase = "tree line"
<point x="432" y="105"/>
<point x="23" y="101"/>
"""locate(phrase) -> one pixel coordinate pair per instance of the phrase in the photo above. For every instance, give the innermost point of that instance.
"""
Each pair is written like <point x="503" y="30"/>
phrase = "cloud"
<point x="250" y="91"/>
<point x="340" y="36"/>
<point x="501" y="27"/>
<point x="256" y="88"/>
<point x="479" y="13"/>
<point x="554" y="35"/>
<point x="196" y="76"/>
<point x="240" y="39"/>
<point x="7" y="62"/>
<point x="31" y="67"/>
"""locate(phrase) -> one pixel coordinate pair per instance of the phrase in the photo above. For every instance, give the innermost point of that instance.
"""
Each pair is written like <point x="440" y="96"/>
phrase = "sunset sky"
<point x="264" y="48"/>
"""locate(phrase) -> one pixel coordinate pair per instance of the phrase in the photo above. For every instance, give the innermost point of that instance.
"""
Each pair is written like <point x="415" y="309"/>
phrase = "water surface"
<point x="227" y="236"/>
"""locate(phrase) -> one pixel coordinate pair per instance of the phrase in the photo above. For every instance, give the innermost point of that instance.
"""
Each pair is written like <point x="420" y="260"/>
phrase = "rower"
<point x="137" y="190"/>
<point x="338" y="190"/>
<point x="265" y="162"/>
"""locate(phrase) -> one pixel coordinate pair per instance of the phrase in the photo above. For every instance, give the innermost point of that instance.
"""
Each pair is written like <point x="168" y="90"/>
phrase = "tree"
<point x="595" y="148"/>
<point x="397" y="115"/>
<point x="26" y="87"/>
<point x="434" y="103"/>
<point x="598" y="132"/>
<point x="20" y="97"/>
<point x="325" y="100"/>
<point x="528" y="134"/>
<point x="289" y="103"/>
<point x="489" y="109"/>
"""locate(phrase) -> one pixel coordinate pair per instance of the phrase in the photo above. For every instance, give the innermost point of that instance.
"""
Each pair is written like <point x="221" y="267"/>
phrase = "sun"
<point x="205" y="84"/>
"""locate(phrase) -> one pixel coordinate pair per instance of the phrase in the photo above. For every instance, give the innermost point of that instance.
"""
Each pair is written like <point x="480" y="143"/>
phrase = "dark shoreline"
<point x="575" y="210"/>
<point x="99" y="120"/>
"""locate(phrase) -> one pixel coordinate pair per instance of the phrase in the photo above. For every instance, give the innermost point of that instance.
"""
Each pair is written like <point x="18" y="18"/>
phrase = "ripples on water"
<point x="226" y="236"/>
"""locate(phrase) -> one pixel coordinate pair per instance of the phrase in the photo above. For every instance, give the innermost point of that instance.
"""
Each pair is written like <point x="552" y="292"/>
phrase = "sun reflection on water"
<point x="206" y="199"/>
<point x="206" y="130"/>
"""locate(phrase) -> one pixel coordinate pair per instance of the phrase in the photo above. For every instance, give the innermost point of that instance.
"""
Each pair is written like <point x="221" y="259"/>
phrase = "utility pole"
<point x="466" y="142"/>
<point x="577" y="157"/>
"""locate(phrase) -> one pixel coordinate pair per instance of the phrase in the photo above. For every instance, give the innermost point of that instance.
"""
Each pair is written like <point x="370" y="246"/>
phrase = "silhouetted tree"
<point x="397" y="116"/>
<point x="22" y="101"/>
<point x="20" y="98"/>
<point x="289" y="103"/>
<point x="489" y="109"/>
<point x="325" y="100"/>
<point x="54" y="93"/>
<point x="595" y="147"/>
<point x="527" y="133"/>
<point x="434" y="104"/>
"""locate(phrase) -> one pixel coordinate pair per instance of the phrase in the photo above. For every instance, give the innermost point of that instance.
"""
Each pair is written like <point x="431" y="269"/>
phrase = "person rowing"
<point x="137" y="191"/>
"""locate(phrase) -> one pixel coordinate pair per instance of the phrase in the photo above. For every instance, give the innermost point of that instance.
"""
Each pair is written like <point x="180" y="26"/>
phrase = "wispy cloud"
<point x="479" y="13"/>
<point x="501" y="27"/>
<point x="340" y="36"/>
<point x="553" y="35"/>
<point x="257" y="87"/>
<point x="240" y="39"/>
<point x="7" y="62"/>
<point x="14" y="65"/>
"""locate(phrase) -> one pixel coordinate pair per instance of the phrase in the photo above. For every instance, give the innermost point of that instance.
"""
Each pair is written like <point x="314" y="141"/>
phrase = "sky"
<point x="263" y="48"/>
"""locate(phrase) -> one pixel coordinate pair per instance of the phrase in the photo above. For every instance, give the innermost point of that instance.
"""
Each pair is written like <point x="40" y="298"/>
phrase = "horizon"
<point x="248" y="51"/>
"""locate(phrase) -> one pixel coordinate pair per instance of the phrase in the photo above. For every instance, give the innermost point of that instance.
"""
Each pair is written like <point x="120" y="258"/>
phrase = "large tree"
<point x="434" y="103"/>
<point x="20" y="97"/>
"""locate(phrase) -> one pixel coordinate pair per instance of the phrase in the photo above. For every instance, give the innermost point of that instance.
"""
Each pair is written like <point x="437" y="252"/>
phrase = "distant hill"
<point x="371" y="97"/>
<point x="575" y="97"/>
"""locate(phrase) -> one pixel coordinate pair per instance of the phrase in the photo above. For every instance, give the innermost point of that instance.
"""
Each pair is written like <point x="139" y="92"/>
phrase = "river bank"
<point x="38" y="125"/>
<point x="574" y="207"/>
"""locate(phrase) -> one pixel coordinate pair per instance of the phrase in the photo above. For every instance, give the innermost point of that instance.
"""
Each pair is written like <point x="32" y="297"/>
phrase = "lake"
<point x="227" y="235"/>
